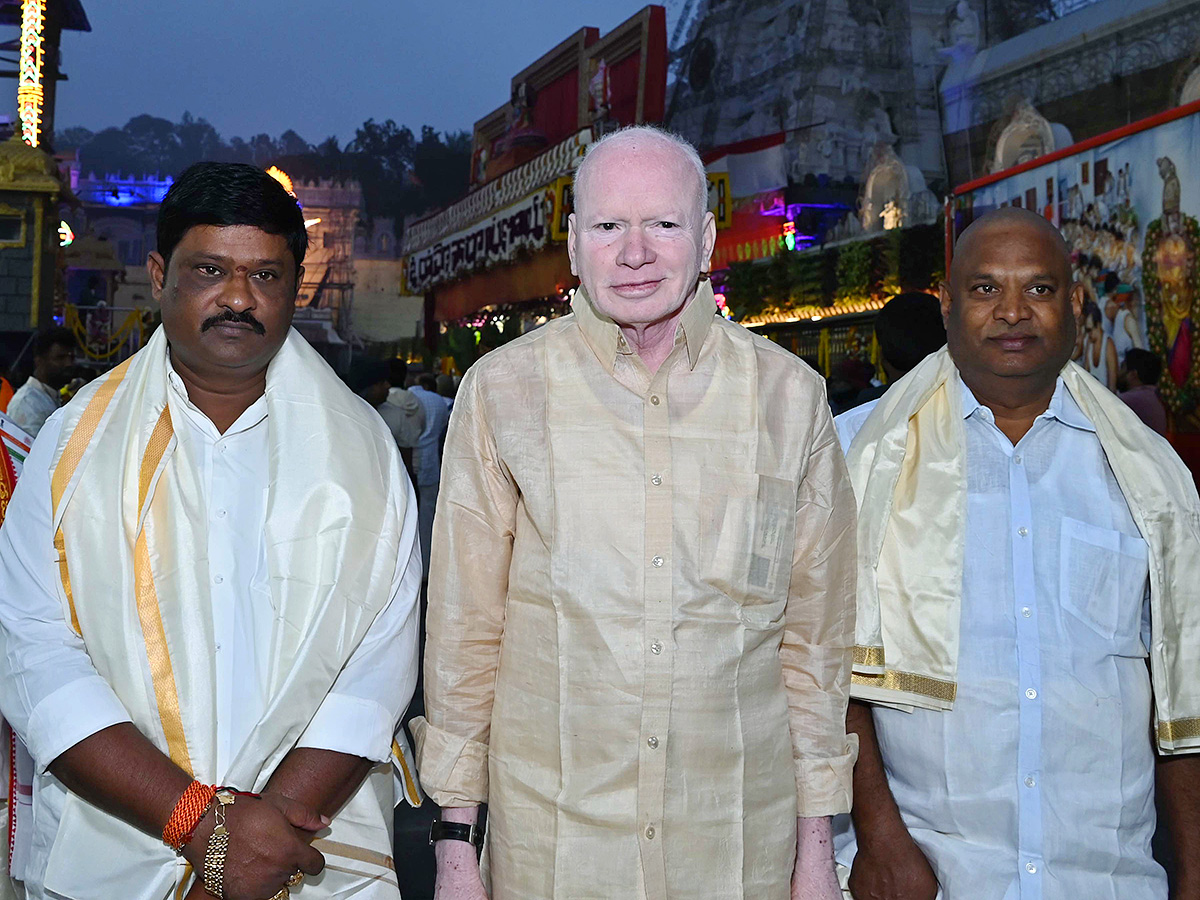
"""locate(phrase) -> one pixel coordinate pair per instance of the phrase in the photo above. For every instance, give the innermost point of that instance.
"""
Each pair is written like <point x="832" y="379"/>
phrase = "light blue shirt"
<point x="1039" y="784"/>
<point x="427" y="457"/>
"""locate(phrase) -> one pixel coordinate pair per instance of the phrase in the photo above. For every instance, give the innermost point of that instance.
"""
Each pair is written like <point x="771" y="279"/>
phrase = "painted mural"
<point x="1130" y="210"/>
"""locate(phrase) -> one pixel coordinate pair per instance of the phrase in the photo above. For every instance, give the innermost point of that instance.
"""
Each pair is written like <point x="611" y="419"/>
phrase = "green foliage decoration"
<point x="909" y="259"/>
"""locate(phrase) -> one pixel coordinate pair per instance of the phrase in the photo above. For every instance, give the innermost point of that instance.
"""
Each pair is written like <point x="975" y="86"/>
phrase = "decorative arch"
<point x="1191" y="88"/>
<point x="887" y="182"/>
<point x="1027" y="136"/>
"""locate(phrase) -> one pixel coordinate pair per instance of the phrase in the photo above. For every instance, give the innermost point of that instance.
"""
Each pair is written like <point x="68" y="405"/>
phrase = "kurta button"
<point x="1030" y="868"/>
<point x="1022" y="531"/>
<point x="652" y="742"/>
<point x="1026" y="611"/>
<point x="1017" y="459"/>
<point x="654" y="399"/>
<point x="1030" y="781"/>
<point x="649" y="832"/>
<point x="1031" y="693"/>
<point x="657" y="562"/>
<point x="220" y="513"/>
<point x="656" y="648"/>
<point x="656" y="480"/>
<point x="219" y="579"/>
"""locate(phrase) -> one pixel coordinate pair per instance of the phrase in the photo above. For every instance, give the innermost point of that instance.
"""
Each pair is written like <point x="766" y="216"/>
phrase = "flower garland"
<point x="1185" y="397"/>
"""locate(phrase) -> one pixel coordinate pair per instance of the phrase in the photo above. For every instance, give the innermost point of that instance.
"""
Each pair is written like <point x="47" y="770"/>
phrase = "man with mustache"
<point x="208" y="582"/>
<point x="1030" y="553"/>
<point x="37" y="399"/>
<point x="641" y="614"/>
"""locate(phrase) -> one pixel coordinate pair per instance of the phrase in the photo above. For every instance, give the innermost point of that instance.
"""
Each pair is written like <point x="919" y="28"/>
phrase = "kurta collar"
<point x="604" y="336"/>
<point x="253" y="414"/>
<point x="1062" y="407"/>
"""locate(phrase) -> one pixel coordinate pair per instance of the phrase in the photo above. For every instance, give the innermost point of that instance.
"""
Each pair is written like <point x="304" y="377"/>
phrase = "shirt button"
<point x="649" y="832"/>
<point x="219" y="579"/>
<point x="1026" y="611"/>
<point x="657" y="562"/>
<point x="1017" y="459"/>
<point x="656" y="480"/>
<point x="220" y="513"/>
<point x="1030" y="868"/>
<point x="1031" y="693"/>
<point x="654" y="399"/>
<point x="1030" y="781"/>
<point x="1022" y="531"/>
<point x="656" y="648"/>
<point x="652" y="742"/>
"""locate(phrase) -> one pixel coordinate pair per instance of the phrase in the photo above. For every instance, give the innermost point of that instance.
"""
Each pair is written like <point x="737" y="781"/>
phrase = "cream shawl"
<point x="907" y="464"/>
<point x="128" y="515"/>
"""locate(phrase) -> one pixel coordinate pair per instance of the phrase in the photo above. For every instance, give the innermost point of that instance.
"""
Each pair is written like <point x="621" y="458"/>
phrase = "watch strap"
<point x="455" y="831"/>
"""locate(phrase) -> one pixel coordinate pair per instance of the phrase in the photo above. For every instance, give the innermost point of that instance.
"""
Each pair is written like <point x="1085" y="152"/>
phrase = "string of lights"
<point x="29" y="86"/>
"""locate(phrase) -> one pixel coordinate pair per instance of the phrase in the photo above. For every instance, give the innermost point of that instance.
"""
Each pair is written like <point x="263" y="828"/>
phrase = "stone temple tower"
<point x="848" y="81"/>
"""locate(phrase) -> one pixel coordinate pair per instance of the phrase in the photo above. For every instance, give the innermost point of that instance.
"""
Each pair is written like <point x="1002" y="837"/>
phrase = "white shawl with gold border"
<point x="907" y="464"/>
<point x="127" y="515"/>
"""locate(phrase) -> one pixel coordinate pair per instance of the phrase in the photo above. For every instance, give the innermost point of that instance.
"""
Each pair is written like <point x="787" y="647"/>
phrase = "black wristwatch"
<point x="455" y="831"/>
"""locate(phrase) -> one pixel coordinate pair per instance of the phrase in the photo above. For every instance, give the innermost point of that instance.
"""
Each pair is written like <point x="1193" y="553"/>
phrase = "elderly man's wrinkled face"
<point x="638" y="239"/>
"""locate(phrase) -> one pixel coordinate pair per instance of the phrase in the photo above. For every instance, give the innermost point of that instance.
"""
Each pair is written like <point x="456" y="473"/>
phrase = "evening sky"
<point x="320" y="68"/>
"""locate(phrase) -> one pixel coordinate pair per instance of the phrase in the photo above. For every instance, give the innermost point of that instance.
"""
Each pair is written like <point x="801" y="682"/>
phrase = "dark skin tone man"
<point x="227" y="295"/>
<point x="1011" y="311"/>
<point x="53" y="367"/>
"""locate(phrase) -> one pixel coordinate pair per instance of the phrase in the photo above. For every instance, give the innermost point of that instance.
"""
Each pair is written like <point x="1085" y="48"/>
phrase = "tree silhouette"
<point x="400" y="175"/>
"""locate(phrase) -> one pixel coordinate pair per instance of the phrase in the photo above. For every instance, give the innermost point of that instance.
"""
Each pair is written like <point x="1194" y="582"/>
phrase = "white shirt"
<point x="32" y="405"/>
<point x="54" y="698"/>
<point x="1039" y="784"/>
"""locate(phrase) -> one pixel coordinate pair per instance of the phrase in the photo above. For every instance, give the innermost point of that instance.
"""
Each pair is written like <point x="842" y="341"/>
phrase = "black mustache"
<point x="242" y="318"/>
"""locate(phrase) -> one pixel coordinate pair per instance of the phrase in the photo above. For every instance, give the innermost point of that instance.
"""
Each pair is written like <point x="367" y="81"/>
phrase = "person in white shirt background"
<point x="261" y="594"/>
<point x="1037" y="781"/>
<point x="37" y="399"/>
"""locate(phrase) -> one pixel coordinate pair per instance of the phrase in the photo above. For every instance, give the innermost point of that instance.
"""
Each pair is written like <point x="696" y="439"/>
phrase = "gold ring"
<point x="282" y="895"/>
<point x="295" y="879"/>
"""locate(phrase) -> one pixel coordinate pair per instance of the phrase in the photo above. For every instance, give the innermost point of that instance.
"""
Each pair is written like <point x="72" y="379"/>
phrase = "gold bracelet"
<point x="218" y="845"/>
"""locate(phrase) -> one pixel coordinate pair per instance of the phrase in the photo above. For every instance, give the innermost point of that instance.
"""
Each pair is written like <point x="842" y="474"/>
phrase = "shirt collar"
<point x="606" y="341"/>
<point x="46" y="389"/>
<point x="253" y="414"/>
<point x="1062" y="408"/>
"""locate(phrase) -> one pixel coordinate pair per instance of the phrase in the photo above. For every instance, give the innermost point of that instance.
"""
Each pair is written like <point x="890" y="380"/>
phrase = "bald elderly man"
<point x="641" y="602"/>
<point x="1032" y="553"/>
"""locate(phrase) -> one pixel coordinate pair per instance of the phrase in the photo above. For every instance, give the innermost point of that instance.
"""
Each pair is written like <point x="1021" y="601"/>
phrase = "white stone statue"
<point x="963" y="32"/>
<point x="891" y="215"/>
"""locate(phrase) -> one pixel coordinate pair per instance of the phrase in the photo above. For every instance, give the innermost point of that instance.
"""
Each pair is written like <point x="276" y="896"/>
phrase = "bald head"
<point x="645" y="146"/>
<point x="1009" y="219"/>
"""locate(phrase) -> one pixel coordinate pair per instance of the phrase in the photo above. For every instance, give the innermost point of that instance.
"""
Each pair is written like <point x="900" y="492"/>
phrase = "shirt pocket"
<point x="1102" y="579"/>
<point x="748" y="536"/>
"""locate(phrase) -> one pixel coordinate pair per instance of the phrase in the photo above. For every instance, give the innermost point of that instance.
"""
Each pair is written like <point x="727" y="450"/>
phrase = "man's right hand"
<point x="896" y="871"/>
<point x="269" y="841"/>
<point x="458" y="875"/>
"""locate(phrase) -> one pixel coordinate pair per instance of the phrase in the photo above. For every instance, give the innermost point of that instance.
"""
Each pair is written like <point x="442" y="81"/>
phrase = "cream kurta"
<point x="641" y="618"/>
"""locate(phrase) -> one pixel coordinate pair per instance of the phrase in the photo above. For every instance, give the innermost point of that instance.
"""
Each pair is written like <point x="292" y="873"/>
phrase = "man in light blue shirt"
<point x="1039" y="784"/>
<point x="427" y="459"/>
